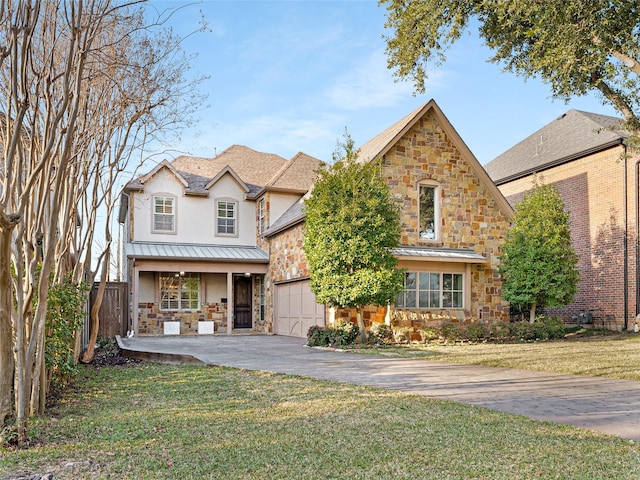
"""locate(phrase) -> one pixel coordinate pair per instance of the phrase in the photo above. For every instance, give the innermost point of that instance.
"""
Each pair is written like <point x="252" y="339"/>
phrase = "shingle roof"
<point x="570" y="136"/>
<point x="292" y="216"/>
<point x="251" y="166"/>
<point x="256" y="170"/>
<point x="298" y="173"/>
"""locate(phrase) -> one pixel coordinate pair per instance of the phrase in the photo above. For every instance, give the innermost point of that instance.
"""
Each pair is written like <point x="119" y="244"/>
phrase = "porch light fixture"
<point x="247" y="274"/>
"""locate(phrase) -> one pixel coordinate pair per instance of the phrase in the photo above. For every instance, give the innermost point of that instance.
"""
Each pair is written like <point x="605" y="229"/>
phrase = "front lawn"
<point x="186" y="422"/>
<point x="602" y="355"/>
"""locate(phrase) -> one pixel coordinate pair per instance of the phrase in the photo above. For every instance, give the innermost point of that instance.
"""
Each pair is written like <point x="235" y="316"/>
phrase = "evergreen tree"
<point x="352" y="224"/>
<point x="538" y="260"/>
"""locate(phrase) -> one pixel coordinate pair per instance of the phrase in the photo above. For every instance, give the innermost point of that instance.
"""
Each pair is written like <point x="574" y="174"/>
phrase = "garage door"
<point x="296" y="309"/>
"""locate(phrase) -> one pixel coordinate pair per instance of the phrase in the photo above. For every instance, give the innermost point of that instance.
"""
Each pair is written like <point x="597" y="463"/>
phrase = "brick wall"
<point x="593" y="190"/>
<point x="151" y="319"/>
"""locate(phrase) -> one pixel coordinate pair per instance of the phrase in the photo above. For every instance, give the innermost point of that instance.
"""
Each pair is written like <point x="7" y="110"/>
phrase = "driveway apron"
<point x="605" y="405"/>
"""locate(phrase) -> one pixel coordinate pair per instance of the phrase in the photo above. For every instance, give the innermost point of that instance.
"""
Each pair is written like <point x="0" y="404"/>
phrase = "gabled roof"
<point x="379" y="145"/>
<point x="227" y="170"/>
<point x="292" y="216"/>
<point x="160" y="166"/>
<point x="573" y="135"/>
<point x="299" y="173"/>
<point x="252" y="167"/>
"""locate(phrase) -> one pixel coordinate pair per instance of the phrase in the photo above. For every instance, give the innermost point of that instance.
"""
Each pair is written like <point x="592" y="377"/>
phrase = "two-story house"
<point x="195" y="259"/>
<point x="453" y="219"/>
<point x="585" y="155"/>
<point x="216" y="244"/>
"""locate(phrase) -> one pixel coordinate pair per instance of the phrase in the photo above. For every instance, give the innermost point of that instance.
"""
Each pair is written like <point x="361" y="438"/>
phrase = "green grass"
<point x="613" y="356"/>
<point x="182" y="422"/>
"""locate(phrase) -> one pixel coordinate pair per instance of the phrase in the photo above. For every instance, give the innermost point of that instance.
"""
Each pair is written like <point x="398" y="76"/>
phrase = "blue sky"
<point x="289" y="76"/>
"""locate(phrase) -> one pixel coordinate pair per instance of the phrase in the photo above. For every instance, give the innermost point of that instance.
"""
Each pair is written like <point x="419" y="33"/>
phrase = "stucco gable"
<point x="163" y="165"/>
<point x="227" y="170"/>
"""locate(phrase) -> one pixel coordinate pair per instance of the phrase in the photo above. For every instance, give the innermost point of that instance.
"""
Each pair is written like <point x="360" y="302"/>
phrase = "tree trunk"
<point x="363" y="330"/>
<point x="532" y="313"/>
<point x="94" y="320"/>
<point x="6" y="330"/>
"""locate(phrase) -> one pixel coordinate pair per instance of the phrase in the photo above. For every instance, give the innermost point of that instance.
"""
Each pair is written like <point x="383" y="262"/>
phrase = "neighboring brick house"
<point x="216" y="244"/>
<point x="453" y="220"/>
<point x="586" y="157"/>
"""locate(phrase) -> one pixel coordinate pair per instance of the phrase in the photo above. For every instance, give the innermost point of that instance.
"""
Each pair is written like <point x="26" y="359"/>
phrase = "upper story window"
<point x="432" y="290"/>
<point x="179" y="291"/>
<point x="226" y="217"/>
<point x="429" y="211"/>
<point x="262" y="216"/>
<point x="164" y="214"/>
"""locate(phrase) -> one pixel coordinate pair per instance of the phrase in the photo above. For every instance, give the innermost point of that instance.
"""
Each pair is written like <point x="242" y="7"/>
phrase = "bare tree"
<point x="83" y="86"/>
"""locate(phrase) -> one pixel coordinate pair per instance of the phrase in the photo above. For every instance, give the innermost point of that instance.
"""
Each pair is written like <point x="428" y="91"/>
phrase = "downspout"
<point x="625" y="240"/>
<point x="637" y="232"/>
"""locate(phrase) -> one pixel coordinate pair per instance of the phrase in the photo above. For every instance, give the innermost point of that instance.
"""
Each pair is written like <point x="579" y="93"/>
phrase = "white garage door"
<point x="296" y="309"/>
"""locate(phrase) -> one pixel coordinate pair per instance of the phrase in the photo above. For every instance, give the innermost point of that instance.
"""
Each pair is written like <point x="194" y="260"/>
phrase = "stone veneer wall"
<point x="471" y="217"/>
<point x="151" y="319"/>
<point x="287" y="262"/>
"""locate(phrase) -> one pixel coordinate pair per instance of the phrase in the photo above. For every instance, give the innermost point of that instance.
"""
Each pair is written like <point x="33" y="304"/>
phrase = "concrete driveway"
<point x="605" y="405"/>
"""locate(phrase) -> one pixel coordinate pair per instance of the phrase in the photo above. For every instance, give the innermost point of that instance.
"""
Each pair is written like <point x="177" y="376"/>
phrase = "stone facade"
<point x="593" y="189"/>
<point x="151" y="320"/>
<point x="470" y="219"/>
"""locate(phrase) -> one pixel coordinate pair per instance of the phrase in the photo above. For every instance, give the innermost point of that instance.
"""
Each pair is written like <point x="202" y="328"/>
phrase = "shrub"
<point x="381" y="334"/>
<point x="345" y="333"/>
<point x="522" y="331"/>
<point x="554" y="326"/>
<point x="320" y="336"/>
<point x="477" y="332"/>
<point x="402" y="334"/>
<point x="452" y="331"/>
<point x="428" y="333"/>
<point x="499" y="331"/>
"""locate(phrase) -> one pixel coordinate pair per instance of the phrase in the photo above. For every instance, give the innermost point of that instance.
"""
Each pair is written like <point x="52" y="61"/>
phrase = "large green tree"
<point x="352" y="224"/>
<point x="538" y="260"/>
<point x="575" y="46"/>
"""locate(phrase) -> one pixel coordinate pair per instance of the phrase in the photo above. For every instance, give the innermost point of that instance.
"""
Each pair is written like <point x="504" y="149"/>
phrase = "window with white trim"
<point x="262" y="216"/>
<point x="432" y="290"/>
<point x="226" y="217"/>
<point x="164" y="214"/>
<point x="428" y="211"/>
<point x="179" y="291"/>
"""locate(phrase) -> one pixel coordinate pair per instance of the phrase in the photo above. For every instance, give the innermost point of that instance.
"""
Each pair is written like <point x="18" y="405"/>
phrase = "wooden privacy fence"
<point x="114" y="311"/>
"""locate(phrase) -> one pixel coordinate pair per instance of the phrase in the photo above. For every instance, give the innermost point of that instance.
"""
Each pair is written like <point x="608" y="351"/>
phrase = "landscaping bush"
<point x="381" y="334"/>
<point x="499" y="331"/>
<point x="320" y="336"/>
<point x="477" y="332"/>
<point x="345" y="333"/>
<point x="402" y="334"/>
<point x="522" y="331"/>
<point x="554" y="326"/>
<point x="452" y="331"/>
<point x="428" y="334"/>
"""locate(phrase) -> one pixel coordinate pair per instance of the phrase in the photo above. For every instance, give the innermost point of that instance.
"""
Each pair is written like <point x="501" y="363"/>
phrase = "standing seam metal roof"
<point x="196" y="252"/>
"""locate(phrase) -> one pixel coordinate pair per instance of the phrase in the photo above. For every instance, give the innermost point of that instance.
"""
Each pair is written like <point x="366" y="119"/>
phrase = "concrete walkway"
<point x="605" y="405"/>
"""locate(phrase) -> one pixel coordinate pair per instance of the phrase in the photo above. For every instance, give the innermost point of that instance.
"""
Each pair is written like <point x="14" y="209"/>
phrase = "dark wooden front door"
<point x="242" y="302"/>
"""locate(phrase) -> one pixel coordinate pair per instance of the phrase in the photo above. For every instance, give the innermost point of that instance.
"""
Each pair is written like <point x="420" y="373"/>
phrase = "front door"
<point x="242" y="302"/>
